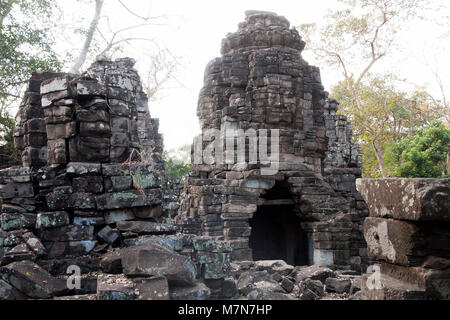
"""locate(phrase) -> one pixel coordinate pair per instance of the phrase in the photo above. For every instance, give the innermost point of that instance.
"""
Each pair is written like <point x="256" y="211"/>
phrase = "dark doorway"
<point x="276" y="231"/>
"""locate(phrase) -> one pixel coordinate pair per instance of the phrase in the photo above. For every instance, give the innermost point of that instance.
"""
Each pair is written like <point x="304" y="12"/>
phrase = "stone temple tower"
<point x="309" y="211"/>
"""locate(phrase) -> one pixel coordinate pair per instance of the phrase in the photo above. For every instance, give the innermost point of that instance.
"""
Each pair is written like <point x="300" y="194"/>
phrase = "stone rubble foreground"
<point x="92" y="193"/>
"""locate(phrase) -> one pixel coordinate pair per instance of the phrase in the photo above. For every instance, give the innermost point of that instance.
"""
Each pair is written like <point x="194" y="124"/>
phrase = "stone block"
<point x="154" y="288"/>
<point x="128" y="199"/>
<point x="88" y="184"/>
<point x="405" y="243"/>
<point x="115" y="287"/>
<point x="15" y="221"/>
<point x="109" y="235"/>
<point x="52" y="219"/>
<point x="84" y="168"/>
<point x="70" y="248"/>
<point x="158" y="259"/>
<point x="407" y="199"/>
<point x="146" y="227"/>
<point x="32" y="280"/>
<point x="68" y="233"/>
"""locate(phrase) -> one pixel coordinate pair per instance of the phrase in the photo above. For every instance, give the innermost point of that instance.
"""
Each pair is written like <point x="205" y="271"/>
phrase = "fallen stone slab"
<point x="407" y="199"/>
<point x="158" y="259"/>
<point x="20" y="252"/>
<point x="8" y="292"/>
<point x="32" y="280"/>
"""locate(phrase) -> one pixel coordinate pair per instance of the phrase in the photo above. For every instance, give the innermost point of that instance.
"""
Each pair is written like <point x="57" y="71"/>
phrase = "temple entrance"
<point x="276" y="231"/>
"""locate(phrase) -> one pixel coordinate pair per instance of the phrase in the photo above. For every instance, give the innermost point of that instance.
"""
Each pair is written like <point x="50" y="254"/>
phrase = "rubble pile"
<point x="93" y="181"/>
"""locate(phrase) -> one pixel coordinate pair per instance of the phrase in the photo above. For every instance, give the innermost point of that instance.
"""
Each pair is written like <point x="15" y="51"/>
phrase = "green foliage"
<point x="381" y="115"/>
<point x="423" y="154"/>
<point x="6" y="134"/>
<point x="24" y="48"/>
<point x="178" y="165"/>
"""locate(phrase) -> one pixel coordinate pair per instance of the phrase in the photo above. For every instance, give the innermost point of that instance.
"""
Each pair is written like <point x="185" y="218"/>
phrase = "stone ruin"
<point x="309" y="212"/>
<point x="408" y="239"/>
<point x="92" y="181"/>
<point x="92" y="197"/>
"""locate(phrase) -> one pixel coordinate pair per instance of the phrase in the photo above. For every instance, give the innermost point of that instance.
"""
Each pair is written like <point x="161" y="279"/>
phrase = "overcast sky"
<point x="196" y="28"/>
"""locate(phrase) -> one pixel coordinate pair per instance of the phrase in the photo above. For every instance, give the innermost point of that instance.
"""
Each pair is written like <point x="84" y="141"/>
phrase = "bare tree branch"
<point x="88" y="41"/>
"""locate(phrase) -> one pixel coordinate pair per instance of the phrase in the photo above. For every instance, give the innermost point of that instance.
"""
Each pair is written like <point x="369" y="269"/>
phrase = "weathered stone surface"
<point x="69" y="248"/>
<point x="407" y="199"/>
<point x="8" y="292"/>
<point x="52" y="219"/>
<point x="155" y="288"/>
<point x="265" y="290"/>
<point x="158" y="259"/>
<point x="109" y="235"/>
<point x="315" y="286"/>
<point x="32" y="280"/>
<point x="68" y="233"/>
<point x="313" y="272"/>
<point x="83" y="168"/>
<point x="14" y="221"/>
<point x="259" y="83"/>
<point x="111" y="263"/>
<point x="338" y="285"/>
<point x="145" y="227"/>
<point x="115" y="287"/>
<point x="128" y="199"/>
<point x="404" y="243"/>
<point x="198" y="291"/>
<point x="113" y="216"/>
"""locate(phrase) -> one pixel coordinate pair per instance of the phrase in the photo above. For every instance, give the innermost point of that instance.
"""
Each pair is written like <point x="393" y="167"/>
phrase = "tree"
<point x="423" y="154"/>
<point x="103" y="39"/>
<point x="178" y="164"/>
<point x="354" y="39"/>
<point x="386" y="115"/>
<point x="25" y="48"/>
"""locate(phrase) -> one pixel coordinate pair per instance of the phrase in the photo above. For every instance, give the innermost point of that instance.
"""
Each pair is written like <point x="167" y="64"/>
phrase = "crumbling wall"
<point x="408" y="239"/>
<point x="91" y="195"/>
<point x="262" y="82"/>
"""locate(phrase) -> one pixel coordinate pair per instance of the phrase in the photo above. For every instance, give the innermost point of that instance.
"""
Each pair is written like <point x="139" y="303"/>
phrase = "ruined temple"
<point x="91" y="195"/>
<point x="309" y="211"/>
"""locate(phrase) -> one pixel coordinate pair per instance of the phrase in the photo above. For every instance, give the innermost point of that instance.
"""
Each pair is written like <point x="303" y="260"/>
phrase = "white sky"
<point x="195" y="31"/>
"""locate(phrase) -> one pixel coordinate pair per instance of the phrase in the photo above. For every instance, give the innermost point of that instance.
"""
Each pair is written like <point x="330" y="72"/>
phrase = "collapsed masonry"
<point x="309" y="212"/>
<point x="91" y="194"/>
<point x="408" y="239"/>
